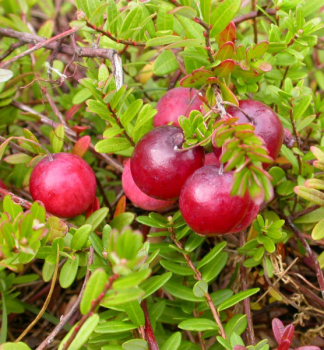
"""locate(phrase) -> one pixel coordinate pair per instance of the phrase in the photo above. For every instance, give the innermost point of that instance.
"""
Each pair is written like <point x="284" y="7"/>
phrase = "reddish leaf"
<point x="263" y="66"/>
<point x="289" y="333"/>
<point x="79" y="129"/>
<point x="81" y="146"/>
<point x="224" y="68"/>
<point x="278" y="329"/>
<point x="121" y="206"/>
<point x="197" y="78"/>
<point x="281" y="250"/>
<point x="228" y="34"/>
<point x="225" y="51"/>
<point x="259" y="50"/>
<point x="93" y="207"/>
<point x="228" y="94"/>
<point x="285" y="345"/>
<point x="71" y="112"/>
<point x="240" y="53"/>
<point x="308" y="347"/>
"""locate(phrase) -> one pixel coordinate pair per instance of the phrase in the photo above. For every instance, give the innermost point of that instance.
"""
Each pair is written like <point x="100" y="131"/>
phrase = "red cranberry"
<point x="158" y="168"/>
<point x="267" y="124"/>
<point x="66" y="185"/>
<point x="209" y="209"/>
<point x="211" y="159"/>
<point x="174" y="103"/>
<point x="136" y="196"/>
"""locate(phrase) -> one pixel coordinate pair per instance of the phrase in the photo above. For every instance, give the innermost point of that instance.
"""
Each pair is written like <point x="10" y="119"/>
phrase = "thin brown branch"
<point x="246" y="302"/>
<point x="38" y="46"/>
<point x="252" y="15"/>
<point x="48" y="299"/>
<point x="111" y="37"/>
<point x="148" y="330"/>
<point x="69" y="133"/>
<point x="11" y="49"/>
<point x="304" y="212"/>
<point x="74" y="307"/>
<point x="255" y="28"/>
<point x="198" y="277"/>
<point x="114" y="115"/>
<point x="95" y="303"/>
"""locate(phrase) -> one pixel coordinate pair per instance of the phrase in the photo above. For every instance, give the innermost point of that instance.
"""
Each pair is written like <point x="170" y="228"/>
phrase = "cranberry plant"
<point x="161" y="174"/>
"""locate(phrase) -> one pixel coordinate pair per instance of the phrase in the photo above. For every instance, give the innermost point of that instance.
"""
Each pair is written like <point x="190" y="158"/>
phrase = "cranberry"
<point x="267" y="124"/>
<point x="136" y="196"/>
<point x="66" y="185"/>
<point x="211" y="159"/>
<point x="158" y="168"/>
<point x="174" y="103"/>
<point x="209" y="209"/>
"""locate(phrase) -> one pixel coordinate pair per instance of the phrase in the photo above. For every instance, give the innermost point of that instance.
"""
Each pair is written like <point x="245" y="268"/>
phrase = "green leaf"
<point x="81" y="96"/>
<point x="310" y="194"/>
<point x="122" y="220"/>
<point x="15" y="346"/>
<point x="135" y="313"/>
<point x="177" y="268"/>
<point x="69" y="272"/>
<point x="205" y="7"/>
<point x="300" y="106"/>
<point x="291" y="157"/>
<point x="154" y="283"/>
<point x="185" y="11"/>
<point x="112" y="145"/>
<point x="173" y="342"/>
<point x="211" y="270"/>
<point x="131" y="112"/>
<point x="96" y="218"/>
<point x="84" y="333"/>
<point x="212" y="254"/>
<point x="118" y="297"/>
<point x="114" y="327"/>
<point x="233" y="300"/>
<point x="193" y="242"/>
<point x="163" y="40"/>
<point x="5" y="75"/>
<point x="132" y="279"/>
<point x="11" y="208"/>
<point x="200" y="288"/>
<point x="38" y="211"/>
<point x="180" y="291"/>
<point x="223" y="15"/>
<point x="318" y="231"/>
<point x="135" y="344"/>
<point x="57" y="138"/>
<point x="93" y="289"/>
<point x="18" y="158"/>
<point x="198" y="325"/>
<point x="165" y="63"/>
<point x="81" y="237"/>
<point x="237" y="324"/>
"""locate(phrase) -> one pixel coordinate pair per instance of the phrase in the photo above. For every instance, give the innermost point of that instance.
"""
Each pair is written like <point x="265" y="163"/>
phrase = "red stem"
<point x="149" y="333"/>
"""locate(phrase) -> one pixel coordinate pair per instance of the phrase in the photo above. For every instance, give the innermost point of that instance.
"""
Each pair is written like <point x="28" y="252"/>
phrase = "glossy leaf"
<point x="237" y="298"/>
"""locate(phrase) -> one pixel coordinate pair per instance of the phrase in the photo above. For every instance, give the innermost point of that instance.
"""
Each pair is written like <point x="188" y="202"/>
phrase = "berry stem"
<point x="198" y="277"/>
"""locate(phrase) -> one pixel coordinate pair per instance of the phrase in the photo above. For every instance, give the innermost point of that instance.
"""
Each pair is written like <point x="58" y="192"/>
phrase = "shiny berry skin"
<point x="209" y="209"/>
<point x="211" y="159"/>
<point x="174" y="104"/>
<point x="158" y="169"/>
<point x="267" y="124"/>
<point x="136" y="196"/>
<point x="66" y="185"/>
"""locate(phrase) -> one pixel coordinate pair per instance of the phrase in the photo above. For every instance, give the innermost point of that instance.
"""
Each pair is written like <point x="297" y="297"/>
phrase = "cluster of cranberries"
<point x="160" y="171"/>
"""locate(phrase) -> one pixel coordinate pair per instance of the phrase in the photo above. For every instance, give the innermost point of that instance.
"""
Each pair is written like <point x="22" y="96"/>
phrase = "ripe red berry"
<point x="66" y="185"/>
<point x="209" y="209"/>
<point x="267" y="123"/>
<point x="158" y="168"/>
<point x="174" y="103"/>
<point x="211" y="159"/>
<point x="136" y="196"/>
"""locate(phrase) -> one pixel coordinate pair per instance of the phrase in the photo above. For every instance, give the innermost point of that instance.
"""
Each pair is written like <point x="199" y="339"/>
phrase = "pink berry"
<point x="136" y="196"/>
<point x="66" y="185"/>
<point x="211" y="159"/>
<point x="209" y="209"/>
<point x="158" y="168"/>
<point x="174" y="103"/>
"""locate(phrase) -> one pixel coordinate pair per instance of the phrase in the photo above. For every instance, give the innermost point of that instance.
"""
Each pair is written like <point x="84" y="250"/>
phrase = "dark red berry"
<point x="174" y="103"/>
<point x="209" y="209"/>
<point x="66" y="185"/>
<point x="267" y="123"/>
<point x="211" y="159"/>
<point x="158" y="168"/>
<point x="138" y="197"/>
